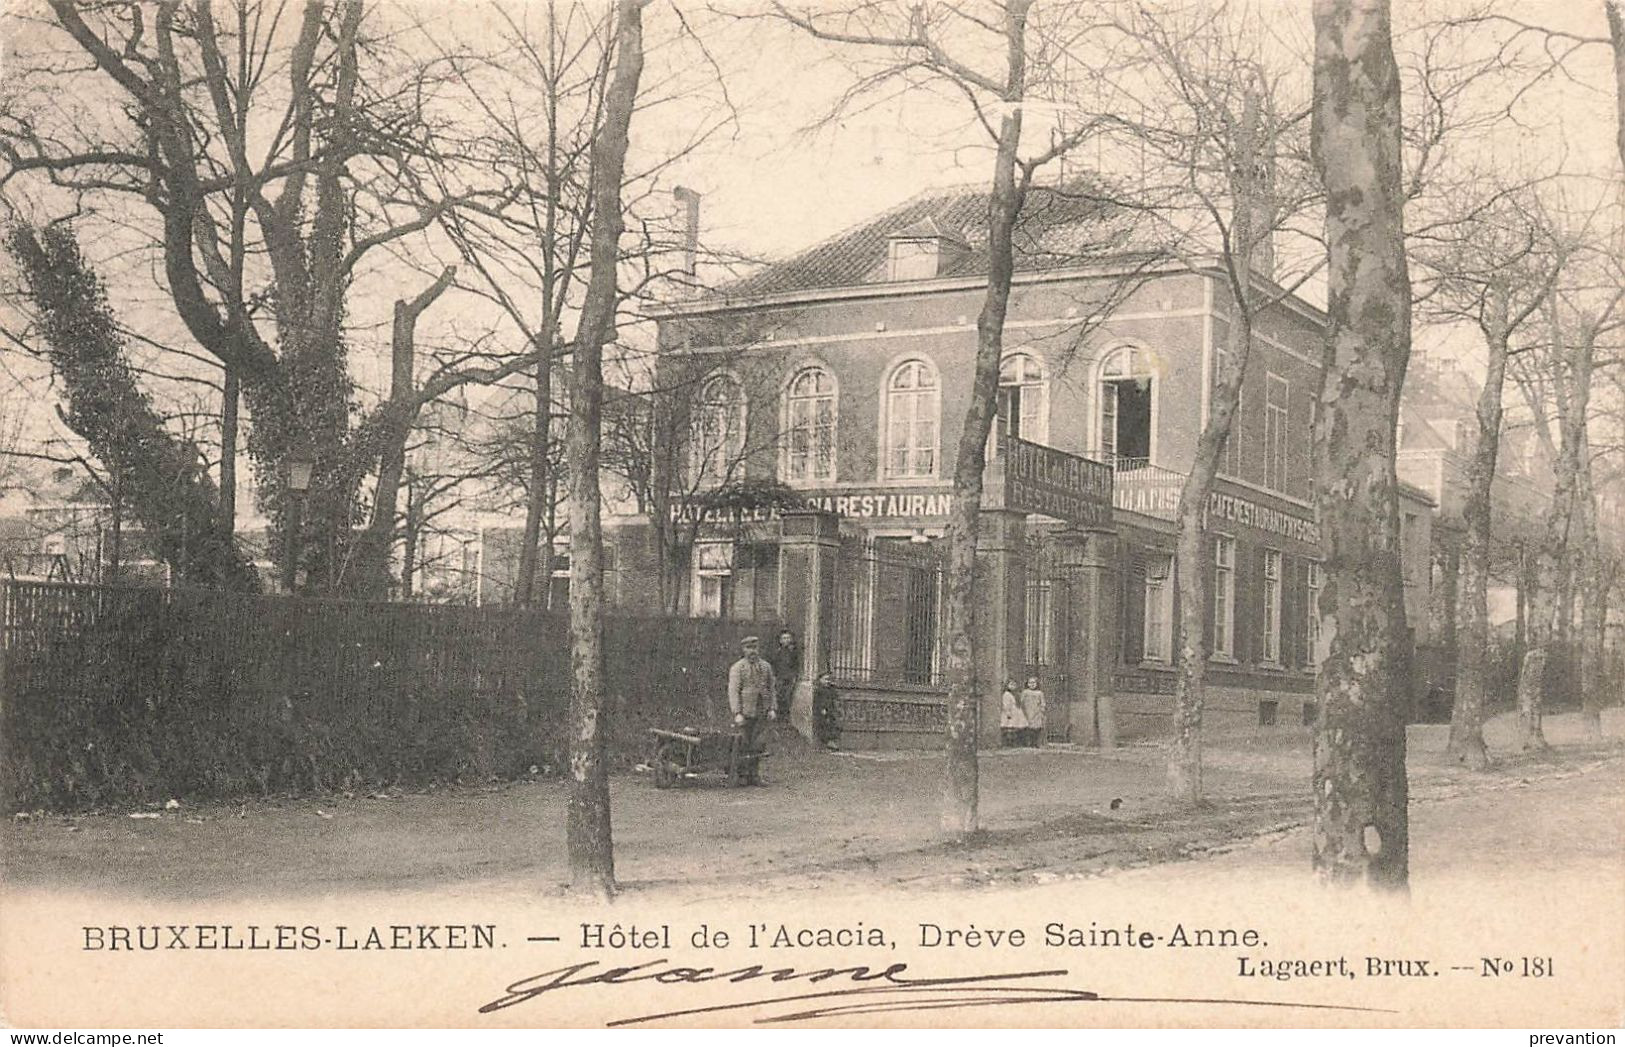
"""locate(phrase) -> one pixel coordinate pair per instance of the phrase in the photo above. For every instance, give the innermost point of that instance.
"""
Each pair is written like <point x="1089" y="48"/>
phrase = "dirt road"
<point x="823" y="819"/>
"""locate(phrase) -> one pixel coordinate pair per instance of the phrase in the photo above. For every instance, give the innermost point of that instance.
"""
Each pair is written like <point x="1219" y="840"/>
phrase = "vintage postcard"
<point x="1013" y="513"/>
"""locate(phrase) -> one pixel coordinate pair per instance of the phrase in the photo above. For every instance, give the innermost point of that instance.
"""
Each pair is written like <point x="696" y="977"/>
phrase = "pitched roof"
<point x="1060" y="226"/>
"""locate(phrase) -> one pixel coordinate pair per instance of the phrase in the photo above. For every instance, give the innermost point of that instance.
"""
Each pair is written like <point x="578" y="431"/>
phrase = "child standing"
<point x="1012" y="721"/>
<point x="1032" y="707"/>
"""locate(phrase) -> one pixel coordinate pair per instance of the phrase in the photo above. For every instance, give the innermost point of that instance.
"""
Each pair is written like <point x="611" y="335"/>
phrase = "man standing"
<point x="785" y="658"/>
<point x="750" y="690"/>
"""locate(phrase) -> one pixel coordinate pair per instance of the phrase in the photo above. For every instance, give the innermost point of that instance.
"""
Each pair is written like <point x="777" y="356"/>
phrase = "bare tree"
<point x="986" y="60"/>
<point x="1361" y="825"/>
<point x="274" y="170"/>
<point x="1227" y="171"/>
<point x="536" y="100"/>
<point x="1492" y="265"/>
<point x="592" y="860"/>
<point x="1556" y="378"/>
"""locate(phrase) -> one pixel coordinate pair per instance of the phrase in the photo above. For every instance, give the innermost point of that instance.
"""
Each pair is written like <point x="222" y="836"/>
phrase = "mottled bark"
<point x="587" y="822"/>
<point x="960" y="783"/>
<point x="1361" y="829"/>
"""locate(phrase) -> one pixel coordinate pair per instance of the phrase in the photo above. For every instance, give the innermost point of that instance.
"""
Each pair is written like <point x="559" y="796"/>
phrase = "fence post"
<point x="808" y="545"/>
<point x="1000" y="613"/>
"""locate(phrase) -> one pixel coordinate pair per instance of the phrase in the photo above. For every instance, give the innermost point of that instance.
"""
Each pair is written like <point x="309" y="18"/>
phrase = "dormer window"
<point x="912" y="259"/>
<point x="922" y="251"/>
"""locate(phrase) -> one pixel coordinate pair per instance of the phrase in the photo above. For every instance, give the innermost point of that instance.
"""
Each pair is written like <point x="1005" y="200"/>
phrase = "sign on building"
<point x="1040" y="479"/>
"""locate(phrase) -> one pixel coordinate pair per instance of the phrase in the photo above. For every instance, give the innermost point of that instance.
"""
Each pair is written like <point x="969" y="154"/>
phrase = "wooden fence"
<point x="125" y="694"/>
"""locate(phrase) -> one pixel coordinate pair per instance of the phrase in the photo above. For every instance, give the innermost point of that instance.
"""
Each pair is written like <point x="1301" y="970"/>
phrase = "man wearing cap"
<point x="750" y="690"/>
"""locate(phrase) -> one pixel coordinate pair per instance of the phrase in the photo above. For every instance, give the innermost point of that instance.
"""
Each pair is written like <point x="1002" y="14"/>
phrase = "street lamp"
<point x="299" y="469"/>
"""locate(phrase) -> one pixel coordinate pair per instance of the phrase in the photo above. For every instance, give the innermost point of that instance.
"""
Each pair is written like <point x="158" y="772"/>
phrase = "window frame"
<point x="1272" y="578"/>
<point x="1142" y="364"/>
<point x="789" y="400"/>
<point x="1229" y="463"/>
<point x="1224" y="598"/>
<point x="1314" y="625"/>
<point x="918" y="394"/>
<point x="721" y="576"/>
<point x="1157" y="635"/>
<point x="699" y="457"/>
<point x="1277" y="426"/>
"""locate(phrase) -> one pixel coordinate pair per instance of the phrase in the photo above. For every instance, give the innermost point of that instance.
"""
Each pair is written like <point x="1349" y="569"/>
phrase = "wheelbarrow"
<point x="684" y="755"/>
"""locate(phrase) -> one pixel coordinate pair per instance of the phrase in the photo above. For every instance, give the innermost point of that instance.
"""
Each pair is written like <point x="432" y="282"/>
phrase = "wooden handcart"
<point x="683" y="755"/>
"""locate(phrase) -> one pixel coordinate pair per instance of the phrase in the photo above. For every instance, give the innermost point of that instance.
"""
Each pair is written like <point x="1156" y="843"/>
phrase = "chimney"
<point x="1256" y="177"/>
<point x="690" y="201"/>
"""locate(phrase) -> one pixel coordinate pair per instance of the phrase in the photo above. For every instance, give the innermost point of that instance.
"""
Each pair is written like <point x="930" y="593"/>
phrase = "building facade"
<point x="843" y="374"/>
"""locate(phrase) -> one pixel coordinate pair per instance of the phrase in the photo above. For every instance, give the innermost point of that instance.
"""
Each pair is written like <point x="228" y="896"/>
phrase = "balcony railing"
<point x="1150" y="490"/>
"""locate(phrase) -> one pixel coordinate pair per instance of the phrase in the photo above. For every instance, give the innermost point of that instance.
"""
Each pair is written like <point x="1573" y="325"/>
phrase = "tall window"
<point x="1275" y="433"/>
<point x="719" y="431"/>
<point x="809" y="423"/>
<point x="1224" y="597"/>
<point x="1230" y="453"/>
<point x="1159" y="617"/>
<point x="1272" y="606"/>
<point x="1024" y="398"/>
<point x="913" y="404"/>
<point x="1126" y="381"/>
<point x="1313" y="630"/>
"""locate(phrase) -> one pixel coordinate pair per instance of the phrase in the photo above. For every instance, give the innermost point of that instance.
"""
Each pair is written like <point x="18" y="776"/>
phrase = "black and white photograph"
<point x="1083" y="514"/>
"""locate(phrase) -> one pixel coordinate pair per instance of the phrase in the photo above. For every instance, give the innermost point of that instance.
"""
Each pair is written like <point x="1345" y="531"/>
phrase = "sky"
<point x="784" y="172"/>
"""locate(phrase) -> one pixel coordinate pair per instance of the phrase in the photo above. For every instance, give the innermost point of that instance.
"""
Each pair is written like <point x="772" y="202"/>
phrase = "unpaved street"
<point x="824" y="820"/>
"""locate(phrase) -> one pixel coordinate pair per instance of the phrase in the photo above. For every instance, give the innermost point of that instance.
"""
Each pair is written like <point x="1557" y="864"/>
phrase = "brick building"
<point x="844" y="372"/>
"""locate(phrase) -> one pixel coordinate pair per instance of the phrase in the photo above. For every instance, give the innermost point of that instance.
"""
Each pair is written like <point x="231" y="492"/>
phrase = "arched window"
<point x="1127" y="396"/>
<point x="718" y="438"/>
<point x="809" y="426"/>
<point x="913" y="405"/>
<point x="1024" y="397"/>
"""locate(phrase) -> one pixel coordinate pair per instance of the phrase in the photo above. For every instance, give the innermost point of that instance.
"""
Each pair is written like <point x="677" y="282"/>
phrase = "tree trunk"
<point x="1466" y="744"/>
<point x="1185" y="760"/>
<point x="1360" y="791"/>
<point x="587" y="822"/>
<point x="1595" y="577"/>
<point x="1522" y="582"/>
<point x="1248" y="235"/>
<point x="1615" y="10"/>
<point x="229" y="405"/>
<point x="1532" y="669"/>
<point x="533" y="561"/>
<point x="1596" y="697"/>
<point x="960" y="797"/>
<point x="1569" y="481"/>
<point x="410" y="531"/>
<point x="393" y="429"/>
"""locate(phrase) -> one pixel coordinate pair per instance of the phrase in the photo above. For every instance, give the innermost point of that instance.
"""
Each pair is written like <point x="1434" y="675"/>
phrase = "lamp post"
<point x="299" y="469"/>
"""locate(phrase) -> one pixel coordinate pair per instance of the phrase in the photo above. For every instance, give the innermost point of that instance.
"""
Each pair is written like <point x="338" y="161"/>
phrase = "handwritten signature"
<point x="859" y="990"/>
